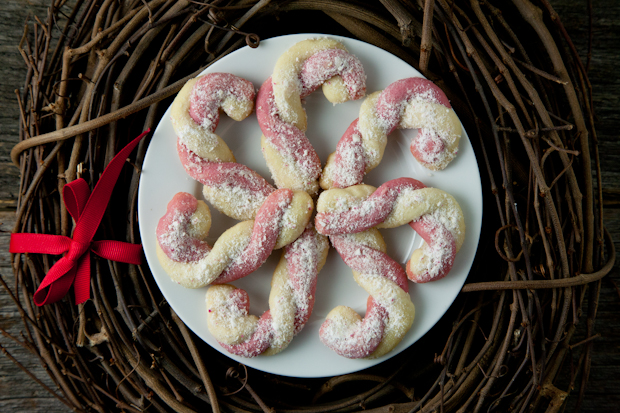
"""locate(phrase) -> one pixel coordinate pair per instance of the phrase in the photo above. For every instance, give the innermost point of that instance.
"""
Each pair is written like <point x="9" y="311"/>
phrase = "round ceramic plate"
<point x="163" y="176"/>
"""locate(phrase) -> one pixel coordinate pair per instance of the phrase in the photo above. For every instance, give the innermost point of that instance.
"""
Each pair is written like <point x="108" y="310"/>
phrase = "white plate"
<point x="163" y="176"/>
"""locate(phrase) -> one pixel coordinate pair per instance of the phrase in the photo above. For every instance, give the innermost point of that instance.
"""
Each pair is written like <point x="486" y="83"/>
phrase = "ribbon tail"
<point x="95" y="207"/>
<point x="81" y="284"/>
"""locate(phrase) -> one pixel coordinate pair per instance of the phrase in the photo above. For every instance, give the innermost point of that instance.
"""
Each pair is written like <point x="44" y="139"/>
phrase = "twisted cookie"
<point x="239" y="251"/>
<point x="389" y="310"/>
<point x="432" y="213"/>
<point x="291" y="301"/>
<point x="298" y="72"/>
<point x="412" y="103"/>
<point x="232" y="188"/>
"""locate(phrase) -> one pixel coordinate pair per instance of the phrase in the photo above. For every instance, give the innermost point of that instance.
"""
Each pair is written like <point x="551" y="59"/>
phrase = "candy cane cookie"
<point x="412" y="103"/>
<point x="298" y="72"/>
<point x="291" y="301"/>
<point x="239" y="251"/>
<point x="432" y="213"/>
<point x="232" y="188"/>
<point x="389" y="310"/>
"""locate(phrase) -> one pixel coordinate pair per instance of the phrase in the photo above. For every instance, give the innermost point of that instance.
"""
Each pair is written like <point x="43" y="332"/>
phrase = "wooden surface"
<point x="19" y="393"/>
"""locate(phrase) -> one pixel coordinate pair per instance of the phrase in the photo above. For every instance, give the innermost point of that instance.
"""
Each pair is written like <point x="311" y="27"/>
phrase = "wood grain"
<point x="603" y="391"/>
<point x="18" y="393"/>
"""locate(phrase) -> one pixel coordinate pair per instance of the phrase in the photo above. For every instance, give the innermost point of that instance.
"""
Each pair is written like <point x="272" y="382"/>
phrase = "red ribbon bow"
<point x="87" y="210"/>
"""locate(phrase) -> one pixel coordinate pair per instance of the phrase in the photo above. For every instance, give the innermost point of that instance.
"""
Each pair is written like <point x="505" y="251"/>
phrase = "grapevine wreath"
<point x="107" y="70"/>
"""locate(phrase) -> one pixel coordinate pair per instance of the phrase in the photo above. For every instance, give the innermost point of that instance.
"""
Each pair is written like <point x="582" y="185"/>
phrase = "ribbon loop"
<point x="75" y="195"/>
<point x="87" y="210"/>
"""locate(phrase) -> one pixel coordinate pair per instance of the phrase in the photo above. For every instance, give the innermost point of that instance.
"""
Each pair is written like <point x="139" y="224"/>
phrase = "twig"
<point x="204" y="375"/>
<point x="403" y="18"/>
<point x="541" y="73"/>
<point x="426" y="45"/>
<point x="580" y="279"/>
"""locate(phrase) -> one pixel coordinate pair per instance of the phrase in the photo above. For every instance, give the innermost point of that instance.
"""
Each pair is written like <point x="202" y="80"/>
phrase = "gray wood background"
<point x="18" y="393"/>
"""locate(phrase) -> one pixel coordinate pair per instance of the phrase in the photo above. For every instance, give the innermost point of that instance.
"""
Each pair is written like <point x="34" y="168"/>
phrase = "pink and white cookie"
<point x="304" y="67"/>
<point x="291" y="301"/>
<point x="232" y="188"/>
<point x="432" y="213"/>
<point x="412" y="103"/>
<point x="389" y="310"/>
<point x="239" y="251"/>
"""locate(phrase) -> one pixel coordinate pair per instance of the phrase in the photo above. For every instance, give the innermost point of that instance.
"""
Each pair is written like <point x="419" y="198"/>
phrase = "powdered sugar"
<point x="196" y="137"/>
<point x="236" y="201"/>
<point x="433" y="213"/>
<point x="412" y="103"/>
<point x="291" y="302"/>
<point x="302" y="69"/>
<point x="389" y="314"/>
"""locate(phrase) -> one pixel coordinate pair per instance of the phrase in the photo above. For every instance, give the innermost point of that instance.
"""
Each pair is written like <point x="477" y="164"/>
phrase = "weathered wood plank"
<point x="603" y="76"/>
<point x="13" y="16"/>
<point x="18" y="392"/>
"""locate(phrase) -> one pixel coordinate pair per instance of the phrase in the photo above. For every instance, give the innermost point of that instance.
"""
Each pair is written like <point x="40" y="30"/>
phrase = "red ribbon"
<point x="87" y="210"/>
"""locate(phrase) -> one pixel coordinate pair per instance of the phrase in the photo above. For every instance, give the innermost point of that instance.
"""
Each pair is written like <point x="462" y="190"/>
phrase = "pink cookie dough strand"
<point x="349" y="160"/>
<point x="224" y="175"/>
<point x="442" y="246"/>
